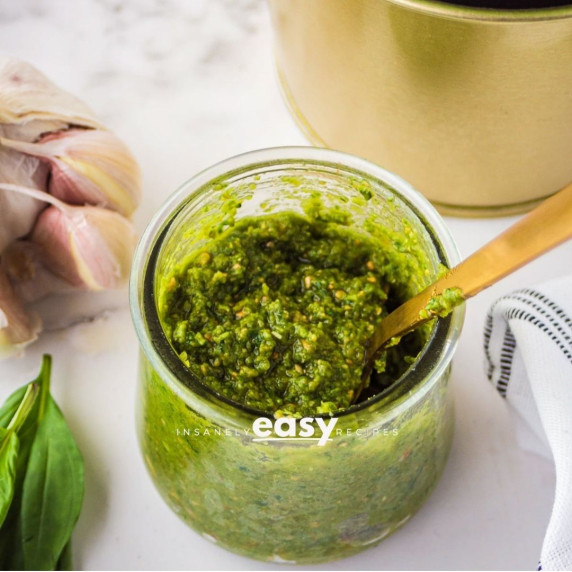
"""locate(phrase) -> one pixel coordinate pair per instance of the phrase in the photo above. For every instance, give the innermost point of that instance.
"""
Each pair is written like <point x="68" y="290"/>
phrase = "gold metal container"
<point x="473" y="106"/>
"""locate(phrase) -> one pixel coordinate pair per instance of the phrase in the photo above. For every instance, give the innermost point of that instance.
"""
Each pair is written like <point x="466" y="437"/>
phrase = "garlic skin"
<point x="27" y="95"/>
<point x="88" y="166"/>
<point x="31" y="130"/>
<point x="18" y="328"/>
<point x="88" y="247"/>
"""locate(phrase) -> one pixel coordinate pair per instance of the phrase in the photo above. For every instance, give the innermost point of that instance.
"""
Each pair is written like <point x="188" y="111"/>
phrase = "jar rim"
<point x="444" y="9"/>
<point x="141" y="292"/>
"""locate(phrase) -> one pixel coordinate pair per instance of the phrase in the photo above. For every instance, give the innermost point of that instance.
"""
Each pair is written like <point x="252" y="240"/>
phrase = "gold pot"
<point x="472" y="106"/>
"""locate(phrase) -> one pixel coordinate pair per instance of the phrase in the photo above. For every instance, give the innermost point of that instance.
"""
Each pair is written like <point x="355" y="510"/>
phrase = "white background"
<point x="187" y="83"/>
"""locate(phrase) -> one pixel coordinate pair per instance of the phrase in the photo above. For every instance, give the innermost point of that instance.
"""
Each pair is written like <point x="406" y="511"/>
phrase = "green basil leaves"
<point x="9" y="447"/>
<point x="41" y="480"/>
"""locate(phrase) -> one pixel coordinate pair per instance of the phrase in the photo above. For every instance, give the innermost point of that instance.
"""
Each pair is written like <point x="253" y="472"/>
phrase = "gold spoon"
<point x="547" y="226"/>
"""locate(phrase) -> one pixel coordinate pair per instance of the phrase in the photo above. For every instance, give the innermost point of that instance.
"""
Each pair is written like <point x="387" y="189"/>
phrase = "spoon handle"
<point x="547" y="226"/>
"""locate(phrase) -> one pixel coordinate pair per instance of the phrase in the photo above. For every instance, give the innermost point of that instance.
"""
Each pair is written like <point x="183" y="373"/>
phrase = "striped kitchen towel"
<point x="528" y="346"/>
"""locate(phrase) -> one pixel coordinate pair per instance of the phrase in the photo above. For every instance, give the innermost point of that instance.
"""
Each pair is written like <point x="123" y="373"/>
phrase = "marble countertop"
<point x="187" y="83"/>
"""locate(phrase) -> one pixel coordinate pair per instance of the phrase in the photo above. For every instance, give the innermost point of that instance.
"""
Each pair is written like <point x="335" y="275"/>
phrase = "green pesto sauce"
<point x="274" y="311"/>
<point x="287" y="502"/>
<point x="443" y="304"/>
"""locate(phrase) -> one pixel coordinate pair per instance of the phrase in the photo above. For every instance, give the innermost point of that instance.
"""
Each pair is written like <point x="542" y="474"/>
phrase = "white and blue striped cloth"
<point x="528" y="346"/>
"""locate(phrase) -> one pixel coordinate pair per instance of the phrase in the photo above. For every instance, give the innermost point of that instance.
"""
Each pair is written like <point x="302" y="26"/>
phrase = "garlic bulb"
<point x="67" y="185"/>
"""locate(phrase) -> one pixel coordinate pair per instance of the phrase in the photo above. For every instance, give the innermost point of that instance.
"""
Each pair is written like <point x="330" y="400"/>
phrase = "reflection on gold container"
<point x="472" y="106"/>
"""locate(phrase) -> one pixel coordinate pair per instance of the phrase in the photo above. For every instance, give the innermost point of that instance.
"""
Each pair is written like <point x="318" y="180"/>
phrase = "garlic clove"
<point x="18" y="216"/>
<point x="23" y="170"/>
<point x="88" y="167"/>
<point x="87" y="247"/>
<point x="27" y="271"/>
<point x="18" y="212"/>
<point x="18" y="328"/>
<point x="26" y="95"/>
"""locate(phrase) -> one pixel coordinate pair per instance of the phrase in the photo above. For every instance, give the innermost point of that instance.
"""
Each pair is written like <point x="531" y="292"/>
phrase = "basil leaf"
<point x="10" y="406"/>
<point x="25" y="408"/>
<point x="19" y="413"/>
<point x="28" y="414"/>
<point x="47" y="477"/>
<point x="53" y="491"/>
<point x="10" y="552"/>
<point x="9" y="446"/>
<point x="65" y="561"/>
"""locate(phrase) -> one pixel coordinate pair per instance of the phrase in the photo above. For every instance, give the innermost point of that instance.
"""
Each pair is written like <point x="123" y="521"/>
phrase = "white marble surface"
<point x="187" y="83"/>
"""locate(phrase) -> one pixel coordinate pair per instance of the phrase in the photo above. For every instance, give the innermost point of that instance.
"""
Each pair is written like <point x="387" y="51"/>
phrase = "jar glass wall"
<point x="291" y="500"/>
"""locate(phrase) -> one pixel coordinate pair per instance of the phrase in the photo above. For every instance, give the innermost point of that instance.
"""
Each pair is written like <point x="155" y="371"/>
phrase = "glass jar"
<point x="276" y="499"/>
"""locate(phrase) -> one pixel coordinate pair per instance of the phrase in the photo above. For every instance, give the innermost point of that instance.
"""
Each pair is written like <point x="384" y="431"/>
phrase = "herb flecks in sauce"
<point x="274" y="311"/>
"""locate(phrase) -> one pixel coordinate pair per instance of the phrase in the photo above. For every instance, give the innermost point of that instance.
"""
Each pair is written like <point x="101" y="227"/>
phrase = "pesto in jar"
<point x="267" y="282"/>
<point x="275" y="311"/>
